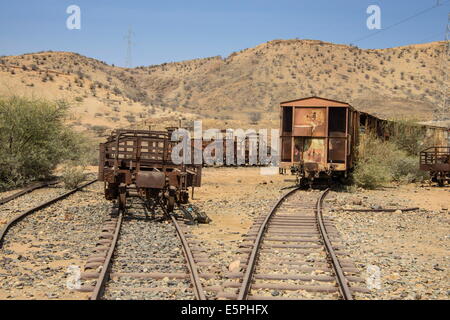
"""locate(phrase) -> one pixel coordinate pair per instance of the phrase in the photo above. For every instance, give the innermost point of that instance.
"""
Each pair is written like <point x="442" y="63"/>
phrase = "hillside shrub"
<point x="255" y="117"/>
<point x="380" y="162"/>
<point x="73" y="176"/>
<point x="33" y="140"/>
<point x="408" y="136"/>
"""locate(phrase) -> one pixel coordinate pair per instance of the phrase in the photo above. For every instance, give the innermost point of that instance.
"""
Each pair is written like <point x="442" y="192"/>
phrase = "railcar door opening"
<point x="337" y="132"/>
<point x="286" y="135"/>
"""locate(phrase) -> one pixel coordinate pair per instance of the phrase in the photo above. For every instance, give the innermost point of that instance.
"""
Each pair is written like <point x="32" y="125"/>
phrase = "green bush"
<point x="381" y="162"/>
<point x="85" y="151"/>
<point x="408" y="136"/>
<point x="33" y="140"/>
<point x="406" y="170"/>
<point x="73" y="176"/>
<point x="371" y="174"/>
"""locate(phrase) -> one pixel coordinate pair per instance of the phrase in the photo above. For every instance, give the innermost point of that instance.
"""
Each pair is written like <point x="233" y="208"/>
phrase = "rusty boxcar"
<point x="140" y="161"/>
<point x="318" y="138"/>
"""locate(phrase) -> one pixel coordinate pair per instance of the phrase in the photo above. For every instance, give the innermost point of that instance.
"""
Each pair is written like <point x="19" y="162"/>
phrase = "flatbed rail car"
<point x="318" y="138"/>
<point x="140" y="161"/>
<point x="436" y="160"/>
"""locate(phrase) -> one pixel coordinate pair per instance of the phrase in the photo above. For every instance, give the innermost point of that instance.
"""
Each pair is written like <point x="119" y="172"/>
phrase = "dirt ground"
<point x="410" y="248"/>
<point x="232" y="196"/>
<point x="38" y="251"/>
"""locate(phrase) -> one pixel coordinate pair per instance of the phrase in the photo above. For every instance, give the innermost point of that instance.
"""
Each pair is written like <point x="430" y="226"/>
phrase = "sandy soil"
<point x="231" y="197"/>
<point x="37" y="252"/>
<point x="410" y="248"/>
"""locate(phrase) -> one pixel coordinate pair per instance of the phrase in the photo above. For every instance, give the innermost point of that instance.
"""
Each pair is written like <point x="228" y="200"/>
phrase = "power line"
<point x="440" y="34"/>
<point x="438" y="4"/>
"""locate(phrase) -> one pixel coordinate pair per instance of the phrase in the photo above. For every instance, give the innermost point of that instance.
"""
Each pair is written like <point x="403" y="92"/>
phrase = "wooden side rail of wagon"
<point x="436" y="160"/>
<point x="141" y="161"/>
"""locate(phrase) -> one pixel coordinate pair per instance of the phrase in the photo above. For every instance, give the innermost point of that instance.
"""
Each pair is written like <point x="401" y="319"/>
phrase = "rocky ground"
<point x="38" y="251"/>
<point x="406" y="251"/>
<point x="409" y="248"/>
<point x="403" y="255"/>
<point x="147" y="246"/>
<point x="27" y="201"/>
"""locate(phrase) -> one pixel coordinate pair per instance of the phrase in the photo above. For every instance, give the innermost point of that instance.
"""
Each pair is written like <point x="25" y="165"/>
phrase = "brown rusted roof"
<point x="315" y="100"/>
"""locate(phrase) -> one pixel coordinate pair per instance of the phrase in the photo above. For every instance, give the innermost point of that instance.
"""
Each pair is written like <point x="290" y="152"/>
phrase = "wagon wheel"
<point x="184" y="197"/>
<point x="122" y="201"/>
<point x="122" y="197"/>
<point x="170" y="203"/>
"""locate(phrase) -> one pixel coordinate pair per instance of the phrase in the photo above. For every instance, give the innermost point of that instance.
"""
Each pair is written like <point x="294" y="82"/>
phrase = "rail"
<point x="27" y="190"/>
<point x="102" y="279"/>
<point x="338" y="271"/>
<point x="342" y="281"/>
<point x="11" y="222"/>
<point x="246" y="281"/>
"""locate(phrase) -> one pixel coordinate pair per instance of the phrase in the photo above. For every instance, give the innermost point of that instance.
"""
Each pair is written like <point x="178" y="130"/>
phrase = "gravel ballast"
<point x="39" y="249"/>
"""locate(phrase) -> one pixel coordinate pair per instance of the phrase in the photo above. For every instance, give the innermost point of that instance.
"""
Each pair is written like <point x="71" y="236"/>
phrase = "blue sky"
<point x="166" y="31"/>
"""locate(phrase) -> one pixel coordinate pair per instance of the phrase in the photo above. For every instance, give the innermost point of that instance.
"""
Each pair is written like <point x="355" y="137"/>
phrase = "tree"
<point x="33" y="139"/>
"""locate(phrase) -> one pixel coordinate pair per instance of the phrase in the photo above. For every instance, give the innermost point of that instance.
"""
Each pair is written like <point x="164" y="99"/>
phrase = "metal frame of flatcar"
<point x="436" y="160"/>
<point x="120" y="172"/>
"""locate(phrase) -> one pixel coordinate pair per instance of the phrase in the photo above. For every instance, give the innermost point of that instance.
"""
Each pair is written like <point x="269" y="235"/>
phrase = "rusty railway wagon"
<point x="247" y="149"/>
<point x="436" y="160"/>
<point x="318" y="138"/>
<point x="138" y="163"/>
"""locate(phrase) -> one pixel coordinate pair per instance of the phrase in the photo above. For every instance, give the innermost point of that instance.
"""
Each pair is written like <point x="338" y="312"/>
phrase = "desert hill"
<point x="246" y="86"/>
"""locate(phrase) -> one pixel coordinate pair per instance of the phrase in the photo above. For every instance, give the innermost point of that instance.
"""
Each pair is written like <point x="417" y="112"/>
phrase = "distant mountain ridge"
<point x="396" y="82"/>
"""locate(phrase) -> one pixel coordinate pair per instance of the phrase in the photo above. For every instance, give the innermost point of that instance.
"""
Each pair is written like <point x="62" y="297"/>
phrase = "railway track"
<point x="294" y="253"/>
<point x="16" y="218"/>
<point x="142" y="257"/>
<point x="26" y="190"/>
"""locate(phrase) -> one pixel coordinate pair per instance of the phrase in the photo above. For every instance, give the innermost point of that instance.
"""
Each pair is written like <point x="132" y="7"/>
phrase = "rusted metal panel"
<point x="336" y="149"/>
<point x="150" y="179"/>
<point x="323" y="140"/>
<point x="310" y="122"/>
<point x="174" y="179"/>
<point x="143" y="158"/>
<point x="314" y="150"/>
<point x="314" y="102"/>
<point x="197" y="179"/>
<point x="435" y="159"/>
<point x="101" y="162"/>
